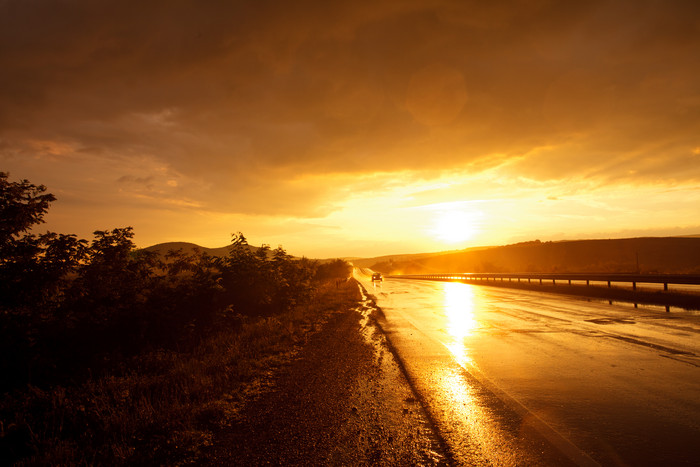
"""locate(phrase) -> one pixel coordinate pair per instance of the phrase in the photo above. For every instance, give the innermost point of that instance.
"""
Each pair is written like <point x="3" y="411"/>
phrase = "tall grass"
<point x="166" y="405"/>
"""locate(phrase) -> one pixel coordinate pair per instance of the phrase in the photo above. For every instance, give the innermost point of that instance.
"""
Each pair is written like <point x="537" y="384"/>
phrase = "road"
<point x="526" y="378"/>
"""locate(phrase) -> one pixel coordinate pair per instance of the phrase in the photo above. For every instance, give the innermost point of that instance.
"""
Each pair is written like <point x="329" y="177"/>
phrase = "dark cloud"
<point x="239" y="101"/>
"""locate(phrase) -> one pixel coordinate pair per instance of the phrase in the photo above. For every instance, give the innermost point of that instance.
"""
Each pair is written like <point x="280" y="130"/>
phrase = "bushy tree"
<point x="30" y="265"/>
<point x="336" y="269"/>
<point x="22" y="205"/>
<point x="33" y="269"/>
<point x="263" y="282"/>
<point x="185" y="302"/>
<point x="70" y="307"/>
<point x="113" y="277"/>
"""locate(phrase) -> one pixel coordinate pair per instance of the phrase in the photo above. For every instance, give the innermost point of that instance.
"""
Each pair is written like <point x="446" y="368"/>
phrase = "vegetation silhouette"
<point x="73" y="311"/>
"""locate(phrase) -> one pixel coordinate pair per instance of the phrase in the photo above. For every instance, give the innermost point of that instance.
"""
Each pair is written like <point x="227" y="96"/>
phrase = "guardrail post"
<point x="634" y="286"/>
<point x="588" y="282"/>
<point x="609" y="284"/>
<point x="666" y="287"/>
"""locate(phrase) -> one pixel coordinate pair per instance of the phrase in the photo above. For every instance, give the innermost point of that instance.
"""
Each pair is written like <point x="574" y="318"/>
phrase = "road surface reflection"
<point x="607" y="383"/>
<point x="459" y="303"/>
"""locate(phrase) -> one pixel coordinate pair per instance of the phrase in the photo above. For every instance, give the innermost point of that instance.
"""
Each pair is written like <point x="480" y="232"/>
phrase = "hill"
<point x="403" y="258"/>
<point x="679" y="255"/>
<point x="163" y="248"/>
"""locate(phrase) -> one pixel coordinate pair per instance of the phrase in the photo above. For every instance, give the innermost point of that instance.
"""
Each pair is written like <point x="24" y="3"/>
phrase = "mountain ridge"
<point x="163" y="248"/>
<point x="678" y="255"/>
<point x="665" y="255"/>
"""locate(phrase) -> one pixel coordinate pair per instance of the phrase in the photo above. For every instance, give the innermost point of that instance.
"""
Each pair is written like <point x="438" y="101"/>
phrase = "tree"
<point x="263" y="282"/>
<point x="30" y="265"/>
<point x="22" y="205"/>
<point x="32" y="268"/>
<point x="336" y="269"/>
<point x="245" y="277"/>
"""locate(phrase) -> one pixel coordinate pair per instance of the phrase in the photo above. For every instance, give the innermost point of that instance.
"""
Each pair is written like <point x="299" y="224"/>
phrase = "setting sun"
<point x="454" y="226"/>
<point x="356" y="130"/>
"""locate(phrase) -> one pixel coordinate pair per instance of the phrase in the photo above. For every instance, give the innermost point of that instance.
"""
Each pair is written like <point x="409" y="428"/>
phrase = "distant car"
<point x="377" y="276"/>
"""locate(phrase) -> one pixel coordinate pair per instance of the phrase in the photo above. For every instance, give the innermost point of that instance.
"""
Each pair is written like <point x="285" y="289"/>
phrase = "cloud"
<point x="234" y="106"/>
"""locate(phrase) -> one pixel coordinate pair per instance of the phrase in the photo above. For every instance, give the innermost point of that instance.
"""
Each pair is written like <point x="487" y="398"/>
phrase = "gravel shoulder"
<point x="341" y="400"/>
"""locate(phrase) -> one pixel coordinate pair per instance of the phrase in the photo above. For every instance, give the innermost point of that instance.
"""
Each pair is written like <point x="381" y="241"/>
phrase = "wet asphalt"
<point x="529" y="378"/>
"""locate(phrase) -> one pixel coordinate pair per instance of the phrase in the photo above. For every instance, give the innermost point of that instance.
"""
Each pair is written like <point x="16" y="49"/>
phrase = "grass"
<point x="165" y="408"/>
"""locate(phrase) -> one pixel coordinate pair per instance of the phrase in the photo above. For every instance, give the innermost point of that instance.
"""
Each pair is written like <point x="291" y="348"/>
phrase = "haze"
<point x="356" y="128"/>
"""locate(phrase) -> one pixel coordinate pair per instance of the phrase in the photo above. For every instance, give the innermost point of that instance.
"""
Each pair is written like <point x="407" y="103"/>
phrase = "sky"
<point x="356" y="128"/>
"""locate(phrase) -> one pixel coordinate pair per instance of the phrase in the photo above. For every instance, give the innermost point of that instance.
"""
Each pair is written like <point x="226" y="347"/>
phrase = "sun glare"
<point x="456" y="226"/>
<point x="459" y="310"/>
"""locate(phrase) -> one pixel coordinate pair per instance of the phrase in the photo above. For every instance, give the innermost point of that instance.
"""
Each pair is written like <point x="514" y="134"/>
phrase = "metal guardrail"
<point x="634" y="279"/>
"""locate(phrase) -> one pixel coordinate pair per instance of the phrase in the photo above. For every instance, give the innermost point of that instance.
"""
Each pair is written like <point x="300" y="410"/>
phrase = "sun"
<point x="455" y="226"/>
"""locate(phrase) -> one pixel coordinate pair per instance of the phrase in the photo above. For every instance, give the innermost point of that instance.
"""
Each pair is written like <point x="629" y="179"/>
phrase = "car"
<point x="377" y="276"/>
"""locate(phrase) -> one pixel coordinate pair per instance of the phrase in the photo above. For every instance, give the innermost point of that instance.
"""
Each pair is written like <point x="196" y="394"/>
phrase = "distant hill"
<point x="163" y="248"/>
<point x="403" y="258"/>
<point x="671" y="255"/>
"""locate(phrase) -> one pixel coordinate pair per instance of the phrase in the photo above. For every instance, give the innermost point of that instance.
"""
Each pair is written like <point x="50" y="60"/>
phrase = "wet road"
<point x="525" y="378"/>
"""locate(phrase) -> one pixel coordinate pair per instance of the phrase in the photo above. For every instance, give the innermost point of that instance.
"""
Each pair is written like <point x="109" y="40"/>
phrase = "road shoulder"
<point x="343" y="399"/>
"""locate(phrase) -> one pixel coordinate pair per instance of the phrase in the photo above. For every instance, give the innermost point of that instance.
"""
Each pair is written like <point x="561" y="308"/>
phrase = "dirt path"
<point x="343" y="400"/>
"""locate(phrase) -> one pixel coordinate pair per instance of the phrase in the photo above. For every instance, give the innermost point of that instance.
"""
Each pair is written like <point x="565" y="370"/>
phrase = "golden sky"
<point x="352" y="128"/>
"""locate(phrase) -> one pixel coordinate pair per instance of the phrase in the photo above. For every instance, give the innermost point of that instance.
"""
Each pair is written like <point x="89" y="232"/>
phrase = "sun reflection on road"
<point x="483" y="435"/>
<point x="459" y="308"/>
<point x="468" y="423"/>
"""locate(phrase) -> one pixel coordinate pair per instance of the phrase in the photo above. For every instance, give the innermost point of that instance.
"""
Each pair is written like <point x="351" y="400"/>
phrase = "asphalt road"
<point x="526" y="378"/>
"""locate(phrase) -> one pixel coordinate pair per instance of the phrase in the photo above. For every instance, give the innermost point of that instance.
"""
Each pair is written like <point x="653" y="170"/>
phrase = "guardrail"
<point x="634" y="279"/>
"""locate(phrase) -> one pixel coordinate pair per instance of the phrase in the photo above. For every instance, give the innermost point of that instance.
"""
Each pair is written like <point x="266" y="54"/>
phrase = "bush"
<point x="264" y="282"/>
<point x="103" y="345"/>
<point x="336" y="269"/>
<point x="69" y="308"/>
